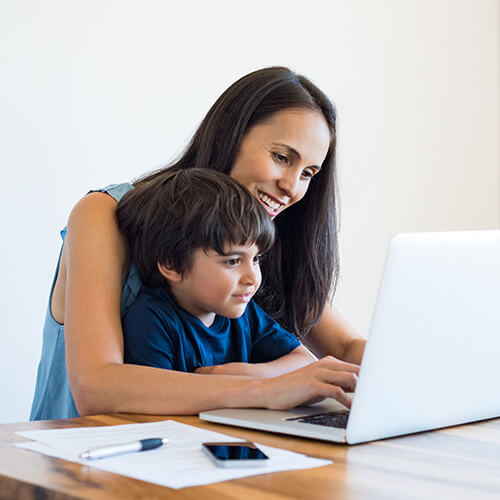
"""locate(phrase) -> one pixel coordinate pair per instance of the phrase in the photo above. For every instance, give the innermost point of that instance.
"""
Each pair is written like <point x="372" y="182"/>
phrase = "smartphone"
<point x="238" y="454"/>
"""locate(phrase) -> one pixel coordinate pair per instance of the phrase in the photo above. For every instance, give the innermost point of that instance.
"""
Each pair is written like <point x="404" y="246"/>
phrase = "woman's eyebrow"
<point x="290" y="149"/>
<point x="294" y="152"/>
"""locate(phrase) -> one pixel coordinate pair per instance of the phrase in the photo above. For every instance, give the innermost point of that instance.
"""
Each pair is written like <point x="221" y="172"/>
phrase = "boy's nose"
<point x="251" y="275"/>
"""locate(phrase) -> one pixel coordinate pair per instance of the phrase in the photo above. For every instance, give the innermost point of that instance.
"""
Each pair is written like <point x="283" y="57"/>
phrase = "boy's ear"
<point x="169" y="273"/>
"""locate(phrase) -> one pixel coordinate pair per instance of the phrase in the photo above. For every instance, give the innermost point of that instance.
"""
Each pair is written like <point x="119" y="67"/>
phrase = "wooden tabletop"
<point x="455" y="463"/>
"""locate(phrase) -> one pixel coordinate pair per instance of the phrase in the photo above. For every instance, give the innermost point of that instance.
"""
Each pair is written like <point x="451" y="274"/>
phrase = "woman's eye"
<point x="232" y="262"/>
<point x="308" y="173"/>
<point x="257" y="259"/>
<point x="280" y="158"/>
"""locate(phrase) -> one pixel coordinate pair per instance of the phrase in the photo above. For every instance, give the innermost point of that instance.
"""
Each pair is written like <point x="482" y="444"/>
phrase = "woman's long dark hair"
<point x="301" y="269"/>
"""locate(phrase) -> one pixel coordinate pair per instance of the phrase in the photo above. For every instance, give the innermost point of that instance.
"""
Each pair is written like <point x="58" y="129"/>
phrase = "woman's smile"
<point x="272" y="206"/>
<point x="278" y="158"/>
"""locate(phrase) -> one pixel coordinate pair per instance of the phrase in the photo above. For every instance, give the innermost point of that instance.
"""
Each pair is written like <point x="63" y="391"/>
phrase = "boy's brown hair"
<point x="166" y="221"/>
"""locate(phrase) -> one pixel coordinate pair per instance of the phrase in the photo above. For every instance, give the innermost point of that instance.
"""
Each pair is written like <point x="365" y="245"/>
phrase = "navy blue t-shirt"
<point x="160" y="333"/>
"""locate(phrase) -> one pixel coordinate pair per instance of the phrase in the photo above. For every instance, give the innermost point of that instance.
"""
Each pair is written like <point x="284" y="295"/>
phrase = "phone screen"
<point x="235" y="451"/>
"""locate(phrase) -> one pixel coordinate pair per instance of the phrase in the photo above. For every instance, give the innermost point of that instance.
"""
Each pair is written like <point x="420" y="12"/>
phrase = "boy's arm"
<point x="298" y="358"/>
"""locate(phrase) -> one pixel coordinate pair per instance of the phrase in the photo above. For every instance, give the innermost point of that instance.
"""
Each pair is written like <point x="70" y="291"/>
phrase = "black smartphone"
<point x="237" y="454"/>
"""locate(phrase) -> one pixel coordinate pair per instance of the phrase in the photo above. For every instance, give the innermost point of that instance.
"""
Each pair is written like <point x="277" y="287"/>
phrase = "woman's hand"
<point x="326" y="378"/>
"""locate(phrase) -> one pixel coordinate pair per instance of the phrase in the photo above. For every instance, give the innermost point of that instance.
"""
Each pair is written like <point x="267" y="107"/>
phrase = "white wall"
<point x="93" y="92"/>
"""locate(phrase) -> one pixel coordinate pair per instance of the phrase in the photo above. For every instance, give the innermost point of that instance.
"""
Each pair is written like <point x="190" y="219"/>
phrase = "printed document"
<point x="178" y="464"/>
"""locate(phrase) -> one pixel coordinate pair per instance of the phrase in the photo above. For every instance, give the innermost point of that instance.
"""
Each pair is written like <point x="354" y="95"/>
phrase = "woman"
<point x="273" y="131"/>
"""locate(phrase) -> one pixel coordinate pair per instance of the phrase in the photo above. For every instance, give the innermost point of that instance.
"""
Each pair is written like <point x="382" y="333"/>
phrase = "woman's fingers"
<point x="335" y="384"/>
<point x="346" y="380"/>
<point x="321" y="379"/>
<point x="339" y="395"/>
<point x="337" y="364"/>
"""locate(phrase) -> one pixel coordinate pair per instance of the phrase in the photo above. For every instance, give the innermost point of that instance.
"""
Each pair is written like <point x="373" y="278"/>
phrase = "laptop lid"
<point x="431" y="359"/>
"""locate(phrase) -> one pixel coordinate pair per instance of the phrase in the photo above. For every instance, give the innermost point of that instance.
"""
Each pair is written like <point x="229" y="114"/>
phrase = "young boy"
<point x="196" y="241"/>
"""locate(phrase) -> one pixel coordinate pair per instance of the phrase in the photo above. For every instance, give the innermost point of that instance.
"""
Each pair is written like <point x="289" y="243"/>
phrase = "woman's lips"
<point x="270" y="203"/>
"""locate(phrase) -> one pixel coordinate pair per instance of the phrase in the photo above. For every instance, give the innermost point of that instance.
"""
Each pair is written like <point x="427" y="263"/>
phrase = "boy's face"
<point x="218" y="284"/>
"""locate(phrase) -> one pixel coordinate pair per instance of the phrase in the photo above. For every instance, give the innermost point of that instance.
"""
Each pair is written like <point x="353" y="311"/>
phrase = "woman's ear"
<point x="169" y="273"/>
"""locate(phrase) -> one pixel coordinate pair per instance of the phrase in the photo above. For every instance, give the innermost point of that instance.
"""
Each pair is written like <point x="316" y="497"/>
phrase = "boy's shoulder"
<point x="253" y="311"/>
<point x="149" y="295"/>
<point x="257" y="318"/>
<point x="153" y="301"/>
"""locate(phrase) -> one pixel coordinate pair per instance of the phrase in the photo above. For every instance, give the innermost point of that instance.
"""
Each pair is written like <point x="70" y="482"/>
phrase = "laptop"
<point x="432" y="357"/>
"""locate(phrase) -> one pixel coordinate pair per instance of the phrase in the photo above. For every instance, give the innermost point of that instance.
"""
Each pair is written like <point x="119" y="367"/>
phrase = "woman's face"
<point x="278" y="158"/>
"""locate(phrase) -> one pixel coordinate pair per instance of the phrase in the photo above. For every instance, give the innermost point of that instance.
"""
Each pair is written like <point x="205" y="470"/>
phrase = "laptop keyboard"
<point x="330" y="419"/>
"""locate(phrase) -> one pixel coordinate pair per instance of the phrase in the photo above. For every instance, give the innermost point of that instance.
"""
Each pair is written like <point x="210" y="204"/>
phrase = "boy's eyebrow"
<point x="236" y="252"/>
<point x="293" y="151"/>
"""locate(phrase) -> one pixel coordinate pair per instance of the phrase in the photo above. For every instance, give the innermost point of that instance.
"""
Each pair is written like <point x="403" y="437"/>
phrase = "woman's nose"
<point x="289" y="183"/>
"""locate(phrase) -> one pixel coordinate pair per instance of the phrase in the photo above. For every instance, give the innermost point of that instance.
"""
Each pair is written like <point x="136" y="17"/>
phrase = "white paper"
<point x="178" y="464"/>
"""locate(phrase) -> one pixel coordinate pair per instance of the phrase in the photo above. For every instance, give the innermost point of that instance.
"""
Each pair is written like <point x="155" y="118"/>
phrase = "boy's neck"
<point x="207" y="318"/>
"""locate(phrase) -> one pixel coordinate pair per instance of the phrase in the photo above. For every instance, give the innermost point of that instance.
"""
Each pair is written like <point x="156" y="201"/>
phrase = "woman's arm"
<point x="334" y="336"/>
<point x="94" y="262"/>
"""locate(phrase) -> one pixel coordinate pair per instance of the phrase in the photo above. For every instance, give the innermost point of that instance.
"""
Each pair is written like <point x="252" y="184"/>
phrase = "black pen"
<point x="118" y="449"/>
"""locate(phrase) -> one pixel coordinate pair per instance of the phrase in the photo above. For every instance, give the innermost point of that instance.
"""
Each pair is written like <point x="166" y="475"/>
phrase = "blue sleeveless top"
<point x="53" y="398"/>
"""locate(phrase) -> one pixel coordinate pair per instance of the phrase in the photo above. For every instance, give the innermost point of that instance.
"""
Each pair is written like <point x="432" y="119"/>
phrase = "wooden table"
<point x="455" y="463"/>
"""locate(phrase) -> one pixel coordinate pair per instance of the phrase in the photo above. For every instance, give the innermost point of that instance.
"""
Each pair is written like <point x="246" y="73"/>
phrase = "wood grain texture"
<point x="460" y="463"/>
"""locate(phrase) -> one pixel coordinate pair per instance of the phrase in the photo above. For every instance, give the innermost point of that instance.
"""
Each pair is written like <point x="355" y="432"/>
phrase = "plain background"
<point x="94" y="92"/>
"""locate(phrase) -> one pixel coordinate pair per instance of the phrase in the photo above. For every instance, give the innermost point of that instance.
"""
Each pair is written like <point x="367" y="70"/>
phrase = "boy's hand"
<point x="247" y="369"/>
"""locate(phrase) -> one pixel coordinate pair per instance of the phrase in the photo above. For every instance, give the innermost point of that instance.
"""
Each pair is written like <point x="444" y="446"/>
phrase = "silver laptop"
<point x="432" y="358"/>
